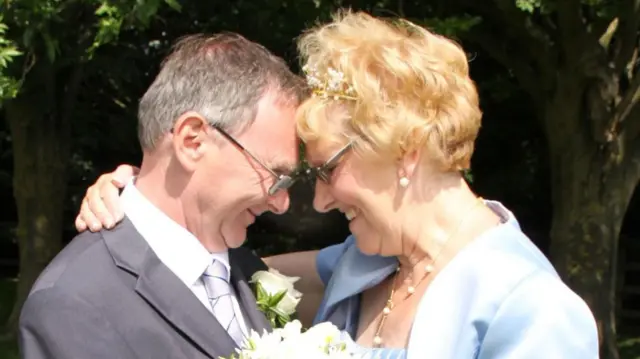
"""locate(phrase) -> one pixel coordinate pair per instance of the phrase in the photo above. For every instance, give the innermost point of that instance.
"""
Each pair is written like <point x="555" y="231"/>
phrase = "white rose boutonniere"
<point x="277" y="298"/>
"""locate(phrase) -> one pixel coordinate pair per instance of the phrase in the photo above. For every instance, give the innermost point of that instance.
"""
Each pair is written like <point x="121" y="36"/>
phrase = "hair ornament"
<point x="330" y="84"/>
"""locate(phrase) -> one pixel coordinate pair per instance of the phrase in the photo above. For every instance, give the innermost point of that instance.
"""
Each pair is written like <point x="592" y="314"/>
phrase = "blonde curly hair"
<point x="412" y="91"/>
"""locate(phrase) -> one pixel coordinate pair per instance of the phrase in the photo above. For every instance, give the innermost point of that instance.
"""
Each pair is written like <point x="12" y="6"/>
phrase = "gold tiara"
<point x="330" y="84"/>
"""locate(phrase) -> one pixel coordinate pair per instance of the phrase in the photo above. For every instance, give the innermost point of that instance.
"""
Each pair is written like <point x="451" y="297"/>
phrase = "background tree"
<point x="58" y="43"/>
<point x="578" y="62"/>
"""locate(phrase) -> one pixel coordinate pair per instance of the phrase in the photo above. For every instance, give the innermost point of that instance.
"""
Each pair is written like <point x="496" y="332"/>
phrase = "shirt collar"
<point x="174" y="245"/>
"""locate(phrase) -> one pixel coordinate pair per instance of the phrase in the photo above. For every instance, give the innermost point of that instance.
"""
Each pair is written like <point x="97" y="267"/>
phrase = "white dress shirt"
<point x="175" y="246"/>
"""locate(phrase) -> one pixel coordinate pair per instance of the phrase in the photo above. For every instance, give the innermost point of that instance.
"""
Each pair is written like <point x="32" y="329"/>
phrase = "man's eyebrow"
<point x="284" y="168"/>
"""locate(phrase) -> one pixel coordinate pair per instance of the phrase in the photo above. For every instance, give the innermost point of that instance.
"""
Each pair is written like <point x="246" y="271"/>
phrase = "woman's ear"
<point x="408" y="165"/>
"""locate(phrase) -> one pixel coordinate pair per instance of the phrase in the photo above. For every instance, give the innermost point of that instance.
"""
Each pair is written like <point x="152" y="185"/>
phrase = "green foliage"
<point x="112" y="17"/>
<point x="451" y="26"/>
<point x="64" y="33"/>
<point x="468" y="176"/>
<point x="8" y="51"/>
<point x="600" y="8"/>
<point x="529" y="5"/>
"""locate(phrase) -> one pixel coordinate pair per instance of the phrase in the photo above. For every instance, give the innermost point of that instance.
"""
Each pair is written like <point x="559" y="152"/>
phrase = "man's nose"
<point x="279" y="202"/>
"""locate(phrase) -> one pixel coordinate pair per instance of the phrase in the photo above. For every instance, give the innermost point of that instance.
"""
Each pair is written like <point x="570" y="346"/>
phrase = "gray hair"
<point x="222" y="77"/>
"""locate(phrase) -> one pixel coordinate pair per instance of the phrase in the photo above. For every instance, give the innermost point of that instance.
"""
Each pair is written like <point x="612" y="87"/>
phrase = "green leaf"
<point x="528" y="5"/>
<point x="276" y="298"/>
<point x="282" y="320"/>
<point x="174" y="5"/>
<point x="272" y="318"/>
<point x="27" y="37"/>
<point x="51" y="45"/>
<point x="468" y="175"/>
<point x="9" y="86"/>
<point x="10" y="52"/>
<point x="262" y="294"/>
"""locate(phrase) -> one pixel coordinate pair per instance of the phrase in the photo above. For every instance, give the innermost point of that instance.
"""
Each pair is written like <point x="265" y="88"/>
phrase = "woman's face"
<point x="365" y="192"/>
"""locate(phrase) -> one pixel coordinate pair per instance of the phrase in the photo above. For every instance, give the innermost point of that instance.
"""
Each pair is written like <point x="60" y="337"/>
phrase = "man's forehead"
<point x="284" y="157"/>
<point x="277" y="151"/>
<point x="273" y="135"/>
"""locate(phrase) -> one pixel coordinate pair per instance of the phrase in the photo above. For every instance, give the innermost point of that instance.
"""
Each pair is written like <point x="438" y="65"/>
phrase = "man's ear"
<point x="190" y="139"/>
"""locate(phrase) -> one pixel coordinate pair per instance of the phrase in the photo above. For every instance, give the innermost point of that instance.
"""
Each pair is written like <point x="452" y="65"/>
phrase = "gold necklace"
<point x="377" y="339"/>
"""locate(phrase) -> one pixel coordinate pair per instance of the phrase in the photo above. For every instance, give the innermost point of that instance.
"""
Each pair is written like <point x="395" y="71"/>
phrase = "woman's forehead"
<point x="317" y="153"/>
<point x="314" y="153"/>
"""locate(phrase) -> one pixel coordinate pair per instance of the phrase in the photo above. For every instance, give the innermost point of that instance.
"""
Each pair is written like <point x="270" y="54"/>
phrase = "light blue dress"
<point x="499" y="298"/>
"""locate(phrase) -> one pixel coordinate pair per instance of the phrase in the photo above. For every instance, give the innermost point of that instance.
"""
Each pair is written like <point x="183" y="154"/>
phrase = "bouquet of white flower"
<point x="322" y="341"/>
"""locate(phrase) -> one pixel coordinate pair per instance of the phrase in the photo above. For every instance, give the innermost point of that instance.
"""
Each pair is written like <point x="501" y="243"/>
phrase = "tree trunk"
<point x="40" y="152"/>
<point x="590" y="197"/>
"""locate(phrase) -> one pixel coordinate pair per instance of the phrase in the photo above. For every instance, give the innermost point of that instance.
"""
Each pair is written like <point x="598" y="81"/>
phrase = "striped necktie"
<point x="216" y="283"/>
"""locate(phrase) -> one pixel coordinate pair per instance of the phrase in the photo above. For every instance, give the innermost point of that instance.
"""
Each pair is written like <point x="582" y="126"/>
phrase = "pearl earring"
<point x="404" y="182"/>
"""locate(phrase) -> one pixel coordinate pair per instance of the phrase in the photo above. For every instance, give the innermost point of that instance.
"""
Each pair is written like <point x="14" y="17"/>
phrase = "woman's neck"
<point x="440" y="225"/>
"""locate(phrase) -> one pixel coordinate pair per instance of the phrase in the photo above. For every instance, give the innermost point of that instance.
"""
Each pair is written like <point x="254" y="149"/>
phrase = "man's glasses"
<point x="283" y="182"/>
<point x="324" y="172"/>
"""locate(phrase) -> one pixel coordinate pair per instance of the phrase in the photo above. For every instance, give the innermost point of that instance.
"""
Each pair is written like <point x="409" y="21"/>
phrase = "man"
<point x="218" y="138"/>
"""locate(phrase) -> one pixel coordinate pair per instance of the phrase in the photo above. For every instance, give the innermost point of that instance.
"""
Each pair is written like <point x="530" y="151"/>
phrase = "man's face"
<point x="235" y="186"/>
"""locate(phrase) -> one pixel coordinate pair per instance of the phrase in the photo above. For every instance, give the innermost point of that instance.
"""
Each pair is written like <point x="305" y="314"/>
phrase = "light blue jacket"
<point x="498" y="298"/>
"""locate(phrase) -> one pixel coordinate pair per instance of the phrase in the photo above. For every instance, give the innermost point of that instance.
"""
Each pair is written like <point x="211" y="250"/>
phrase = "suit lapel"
<point x="174" y="301"/>
<point x="246" y="299"/>
<point x="165" y="293"/>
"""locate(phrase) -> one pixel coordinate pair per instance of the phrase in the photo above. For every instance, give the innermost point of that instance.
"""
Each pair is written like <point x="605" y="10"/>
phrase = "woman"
<point x="431" y="270"/>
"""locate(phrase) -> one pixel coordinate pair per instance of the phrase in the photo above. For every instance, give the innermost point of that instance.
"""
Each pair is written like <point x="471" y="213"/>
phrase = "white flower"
<point x="319" y="342"/>
<point x="324" y="330"/>
<point x="273" y="282"/>
<point x="292" y="330"/>
<point x="260" y="345"/>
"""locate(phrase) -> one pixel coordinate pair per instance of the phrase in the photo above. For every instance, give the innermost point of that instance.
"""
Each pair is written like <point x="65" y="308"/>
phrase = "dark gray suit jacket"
<point x="107" y="295"/>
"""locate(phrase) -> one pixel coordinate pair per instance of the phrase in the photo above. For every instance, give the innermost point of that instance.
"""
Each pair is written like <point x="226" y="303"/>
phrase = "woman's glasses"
<point x="324" y="172"/>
